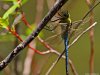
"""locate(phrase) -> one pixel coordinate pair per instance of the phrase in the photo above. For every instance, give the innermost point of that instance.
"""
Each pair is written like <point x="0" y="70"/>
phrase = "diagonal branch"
<point x="33" y="35"/>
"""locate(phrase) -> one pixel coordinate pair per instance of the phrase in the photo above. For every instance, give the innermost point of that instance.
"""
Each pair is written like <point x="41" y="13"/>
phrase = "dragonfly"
<point x="67" y="28"/>
<point x="65" y="23"/>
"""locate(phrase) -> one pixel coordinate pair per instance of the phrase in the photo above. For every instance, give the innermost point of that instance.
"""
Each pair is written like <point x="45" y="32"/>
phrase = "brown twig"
<point x="30" y="54"/>
<point x="91" y="34"/>
<point x="28" y="60"/>
<point x="72" y="67"/>
<point x="75" y="40"/>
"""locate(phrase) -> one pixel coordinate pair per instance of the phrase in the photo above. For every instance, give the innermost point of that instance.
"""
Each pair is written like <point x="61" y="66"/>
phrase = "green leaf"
<point x="10" y="11"/>
<point x="4" y="22"/>
<point x="13" y="8"/>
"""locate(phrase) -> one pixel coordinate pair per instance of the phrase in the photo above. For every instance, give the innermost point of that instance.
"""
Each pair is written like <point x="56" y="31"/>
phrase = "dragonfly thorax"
<point x="65" y="17"/>
<point x="65" y="23"/>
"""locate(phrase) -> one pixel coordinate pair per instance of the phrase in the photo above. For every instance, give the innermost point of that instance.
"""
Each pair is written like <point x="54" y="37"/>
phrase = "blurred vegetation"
<point x="79" y="53"/>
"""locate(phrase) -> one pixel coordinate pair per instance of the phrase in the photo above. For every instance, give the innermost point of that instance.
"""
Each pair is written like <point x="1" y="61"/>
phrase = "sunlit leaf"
<point x="12" y="8"/>
<point x="10" y="11"/>
<point x="4" y="22"/>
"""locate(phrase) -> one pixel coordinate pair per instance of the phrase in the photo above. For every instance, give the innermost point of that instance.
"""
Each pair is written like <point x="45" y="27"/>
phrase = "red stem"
<point x="91" y="34"/>
<point x="28" y="25"/>
<point x="25" y="21"/>
<point x="42" y="41"/>
<point x="19" y="38"/>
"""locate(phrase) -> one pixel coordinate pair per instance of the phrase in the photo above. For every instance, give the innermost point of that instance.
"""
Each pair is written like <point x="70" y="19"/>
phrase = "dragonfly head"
<point x="65" y="17"/>
<point x="65" y="14"/>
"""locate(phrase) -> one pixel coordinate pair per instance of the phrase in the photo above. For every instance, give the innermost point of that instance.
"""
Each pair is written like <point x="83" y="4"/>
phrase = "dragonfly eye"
<point x="65" y="14"/>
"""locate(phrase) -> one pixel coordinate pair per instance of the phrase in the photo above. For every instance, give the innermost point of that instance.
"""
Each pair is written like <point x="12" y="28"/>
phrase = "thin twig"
<point x="33" y="35"/>
<point x="91" y="34"/>
<point x="54" y="63"/>
<point x="72" y="68"/>
<point x="51" y="50"/>
<point x="75" y="40"/>
<point x="28" y="60"/>
<point x="82" y="20"/>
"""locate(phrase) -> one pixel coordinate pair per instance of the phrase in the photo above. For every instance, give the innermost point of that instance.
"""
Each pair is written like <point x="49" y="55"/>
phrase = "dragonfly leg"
<point x="55" y="20"/>
<point x="47" y="28"/>
<point x="50" y="29"/>
<point x="59" y="14"/>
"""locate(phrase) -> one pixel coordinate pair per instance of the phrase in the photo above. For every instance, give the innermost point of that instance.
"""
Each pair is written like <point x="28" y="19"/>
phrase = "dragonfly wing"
<point x="77" y="27"/>
<point x="80" y="22"/>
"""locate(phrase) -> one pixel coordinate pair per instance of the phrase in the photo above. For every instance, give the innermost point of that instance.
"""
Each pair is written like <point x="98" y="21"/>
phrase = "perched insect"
<point x="67" y="29"/>
<point x="65" y="23"/>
